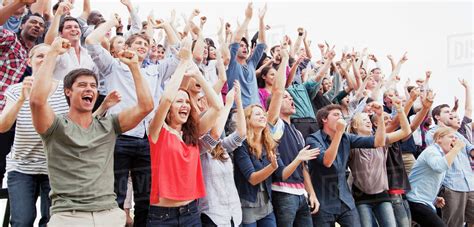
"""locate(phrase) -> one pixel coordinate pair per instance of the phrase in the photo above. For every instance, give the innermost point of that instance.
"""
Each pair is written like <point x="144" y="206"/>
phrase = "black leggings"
<point x="425" y="215"/>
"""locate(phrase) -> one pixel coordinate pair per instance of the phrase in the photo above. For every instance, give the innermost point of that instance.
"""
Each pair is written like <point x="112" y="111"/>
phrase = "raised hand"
<point x="341" y="125"/>
<point x="307" y="154"/>
<point x="464" y="83"/>
<point x="26" y="87"/>
<point x="64" y="8"/>
<point x="377" y="108"/>
<point x="262" y="12"/>
<point x="116" y="19"/>
<point x="372" y="57"/>
<point x="404" y="58"/>
<point x="126" y="3"/>
<point x="185" y="51"/>
<point x="112" y="99"/>
<point x="428" y="75"/>
<point x="60" y="45"/>
<point x="130" y="58"/>
<point x="203" y="20"/>
<point x="414" y="93"/>
<point x="428" y="99"/>
<point x="249" y="11"/>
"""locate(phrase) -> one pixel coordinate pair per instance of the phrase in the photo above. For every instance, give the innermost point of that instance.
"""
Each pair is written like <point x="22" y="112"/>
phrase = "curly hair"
<point x="190" y="127"/>
<point x="267" y="140"/>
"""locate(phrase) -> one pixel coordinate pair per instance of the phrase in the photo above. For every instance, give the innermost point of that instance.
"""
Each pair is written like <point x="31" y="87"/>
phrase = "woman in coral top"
<point x="177" y="180"/>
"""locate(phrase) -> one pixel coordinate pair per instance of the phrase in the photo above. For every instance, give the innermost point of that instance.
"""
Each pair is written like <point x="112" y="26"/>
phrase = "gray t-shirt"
<point x="80" y="163"/>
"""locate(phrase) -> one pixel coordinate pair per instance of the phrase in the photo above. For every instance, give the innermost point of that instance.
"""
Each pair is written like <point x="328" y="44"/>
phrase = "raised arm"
<point x="215" y="105"/>
<point x="298" y="42"/>
<point x="96" y="36"/>
<point x="392" y="62"/>
<point x="261" y="25"/>
<point x="129" y="118"/>
<point x="331" y="151"/>
<point x="306" y="44"/>
<point x="221" y="74"/>
<point x="53" y="31"/>
<point x="12" y="108"/>
<point x="8" y="10"/>
<point x="171" y="90"/>
<point x="451" y="155"/>
<point x="380" y="132"/>
<point x="39" y="7"/>
<point x="41" y="112"/>
<point x="86" y="9"/>
<point x="223" y="47"/>
<point x="427" y="102"/>
<point x="278" y="88"/>
<point x="405" y="130"/>
<point x="468" y="100"/>
<point x="243" y="27"/>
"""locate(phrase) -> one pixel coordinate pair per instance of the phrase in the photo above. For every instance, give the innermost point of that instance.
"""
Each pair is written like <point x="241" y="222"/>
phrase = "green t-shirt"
<point x="80" y="163"/>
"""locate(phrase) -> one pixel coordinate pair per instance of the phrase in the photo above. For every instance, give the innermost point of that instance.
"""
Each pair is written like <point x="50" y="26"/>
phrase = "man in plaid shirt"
<point x="13" y="63"/>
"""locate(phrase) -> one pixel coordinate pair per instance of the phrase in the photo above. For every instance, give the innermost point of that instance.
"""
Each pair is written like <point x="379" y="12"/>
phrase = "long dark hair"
<point x="190" y="127"/>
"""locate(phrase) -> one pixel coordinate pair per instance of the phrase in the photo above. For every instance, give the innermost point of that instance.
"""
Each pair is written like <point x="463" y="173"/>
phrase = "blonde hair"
<point x="441" y="132"/>
<point x="356" y="123"/>
<point x="267" y="140"/>
<point x="36" y="47"/>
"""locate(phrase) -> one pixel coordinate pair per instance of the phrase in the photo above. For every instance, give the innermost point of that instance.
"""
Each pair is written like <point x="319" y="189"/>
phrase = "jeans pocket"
<point x="158" y="216"/>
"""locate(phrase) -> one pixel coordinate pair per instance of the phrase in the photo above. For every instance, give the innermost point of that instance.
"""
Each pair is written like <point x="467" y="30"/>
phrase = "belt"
<point x="179" y="210"/>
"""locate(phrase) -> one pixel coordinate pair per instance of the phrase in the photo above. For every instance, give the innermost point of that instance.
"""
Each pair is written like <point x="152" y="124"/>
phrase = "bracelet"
<point x="120" y="33"/>
<point x="300" y="33"/>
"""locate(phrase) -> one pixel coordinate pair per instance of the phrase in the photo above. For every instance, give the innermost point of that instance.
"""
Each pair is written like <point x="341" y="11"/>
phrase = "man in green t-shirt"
<point x="79" y="146"/>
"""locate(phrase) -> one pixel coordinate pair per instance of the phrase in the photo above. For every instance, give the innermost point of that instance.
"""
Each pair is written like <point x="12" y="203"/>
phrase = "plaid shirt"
<point x="13" y="57"/>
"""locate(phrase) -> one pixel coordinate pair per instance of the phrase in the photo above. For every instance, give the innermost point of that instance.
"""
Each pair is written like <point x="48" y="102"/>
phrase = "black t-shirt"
<point x="396" y="173"/>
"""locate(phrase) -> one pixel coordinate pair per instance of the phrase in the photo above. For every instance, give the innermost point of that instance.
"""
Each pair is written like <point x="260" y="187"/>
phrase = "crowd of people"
<point x="226" y="132"/>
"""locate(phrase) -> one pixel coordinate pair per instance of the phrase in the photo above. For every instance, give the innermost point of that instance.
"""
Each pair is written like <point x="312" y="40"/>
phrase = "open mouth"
<point x="87" y="99"/>
<point x="183" y="113"/>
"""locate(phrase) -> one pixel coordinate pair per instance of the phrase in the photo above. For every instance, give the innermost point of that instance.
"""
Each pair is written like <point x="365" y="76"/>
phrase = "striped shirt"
<point x="27" y="154"/>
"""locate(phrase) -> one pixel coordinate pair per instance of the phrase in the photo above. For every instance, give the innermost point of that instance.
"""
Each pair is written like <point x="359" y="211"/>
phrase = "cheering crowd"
<point x="228" y="132"/>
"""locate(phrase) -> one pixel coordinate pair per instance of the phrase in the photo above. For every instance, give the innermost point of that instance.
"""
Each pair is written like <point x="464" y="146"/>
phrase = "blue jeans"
<point x="372" y="213"/>
<point x="401" y="209"/>
<point x="23" y="191"/>
<point x="187" y="215"/>
<point x="291" y="210"/>
<point x="267" y="221"/>
<point x="133" y="155"/>
<point x="347" y="218"/>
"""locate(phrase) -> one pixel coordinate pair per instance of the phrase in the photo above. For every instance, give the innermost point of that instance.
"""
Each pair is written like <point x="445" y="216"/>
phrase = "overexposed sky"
<point x="437" y="35"/>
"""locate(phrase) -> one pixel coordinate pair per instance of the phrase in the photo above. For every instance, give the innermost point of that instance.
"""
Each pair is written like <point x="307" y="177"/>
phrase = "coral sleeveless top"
<point x="175" y="169"/>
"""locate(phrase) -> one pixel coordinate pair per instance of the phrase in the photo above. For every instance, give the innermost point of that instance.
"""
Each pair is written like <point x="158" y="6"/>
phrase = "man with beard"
<point x="13" y="61"/>
<point x="458" y="184"/>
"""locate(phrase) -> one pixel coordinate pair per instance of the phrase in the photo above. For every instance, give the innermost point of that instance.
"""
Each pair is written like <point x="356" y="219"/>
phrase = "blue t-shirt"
<point x="245" y="74"/>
